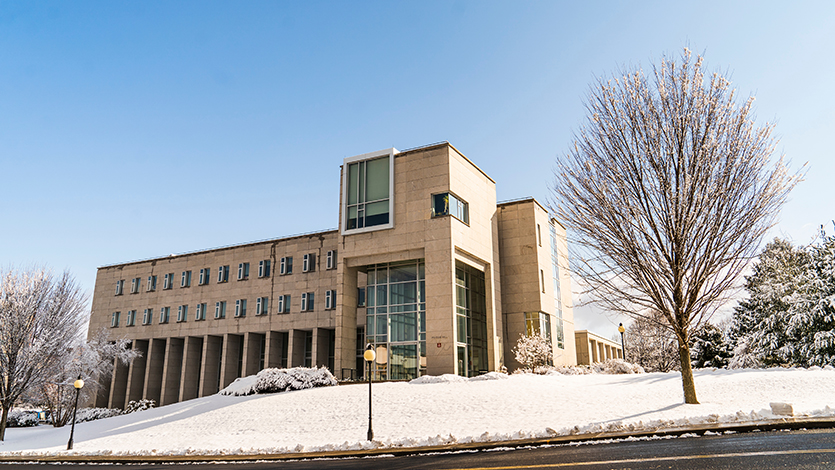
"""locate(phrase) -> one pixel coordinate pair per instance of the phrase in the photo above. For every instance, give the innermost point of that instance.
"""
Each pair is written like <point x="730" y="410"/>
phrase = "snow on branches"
<point x="533" y="351"/>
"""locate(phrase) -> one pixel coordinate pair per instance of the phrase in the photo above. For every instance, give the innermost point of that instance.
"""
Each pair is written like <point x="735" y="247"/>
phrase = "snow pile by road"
<point x="437" y="410"/>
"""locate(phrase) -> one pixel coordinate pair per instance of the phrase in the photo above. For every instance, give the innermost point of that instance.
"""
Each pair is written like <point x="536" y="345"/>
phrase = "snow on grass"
<point x="435" y="411"/>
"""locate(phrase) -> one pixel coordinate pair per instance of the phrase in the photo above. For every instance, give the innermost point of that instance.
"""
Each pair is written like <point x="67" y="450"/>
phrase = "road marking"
<point x="654" y="459"/>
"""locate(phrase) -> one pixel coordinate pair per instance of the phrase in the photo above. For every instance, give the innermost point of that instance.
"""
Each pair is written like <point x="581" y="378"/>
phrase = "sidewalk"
<point x="768" y="425"/>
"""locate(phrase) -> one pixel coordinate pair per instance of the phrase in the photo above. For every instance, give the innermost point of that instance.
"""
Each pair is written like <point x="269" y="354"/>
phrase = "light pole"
<point x="369" y="355"/>
<point x="621" y="329"/>
<point x="78" y="384"/>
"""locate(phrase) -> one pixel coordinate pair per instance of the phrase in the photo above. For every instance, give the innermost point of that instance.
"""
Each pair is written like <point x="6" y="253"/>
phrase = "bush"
<point x="282" y="380"/>
<point x="22" y="418"/>
<point x="92" y="414"/>
<point x="141" y="405"/>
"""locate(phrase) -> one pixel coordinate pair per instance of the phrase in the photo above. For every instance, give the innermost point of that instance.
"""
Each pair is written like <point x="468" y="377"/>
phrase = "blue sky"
<point x="131" y="130"/>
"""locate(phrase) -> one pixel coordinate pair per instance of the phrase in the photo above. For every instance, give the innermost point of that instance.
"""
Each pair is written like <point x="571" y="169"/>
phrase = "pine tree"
<point x="710" y="347"/>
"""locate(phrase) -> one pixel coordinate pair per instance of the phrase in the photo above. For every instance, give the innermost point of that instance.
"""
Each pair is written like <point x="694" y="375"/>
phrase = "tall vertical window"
<point x="367" y="187"/>
<point x="220" y="309"/>
<point x="204" y="276"/>
<point x="134" y="285"/>
<point x="131" y="319"/>
<point x="240" y="308"/>
<point x="450" y="204"/>
<point x="120" y="286"/>
<point x="200" y="312"/>
<point x="152" y="283"/>
<point x="148" y="316"/>
<point x="168" y="281"/>
<point x="471" y="320"/>
<point x="114" y="319"/>
<point x="182" y="313"/>
<point x="264" y="268"/>
<point x="262" y="305"/>
<point x="164" y="313"/>
<point x="284" y="303"/>
<point x="243" y="271"/>
<point x="286" y="265"/>
<point x="307" y="301"/>
<point x="223" y="274"/>
<point x="330" y="300"/>
<point x="555" y="264"/>
<point x="331" y="263"/>
<point x="309" y="263"/>
<point x="185" y="280"/>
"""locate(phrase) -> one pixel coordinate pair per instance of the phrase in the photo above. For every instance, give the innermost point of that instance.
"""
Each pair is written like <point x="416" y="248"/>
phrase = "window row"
<point x="205" y="274"/>
<point x="262" y="307"/>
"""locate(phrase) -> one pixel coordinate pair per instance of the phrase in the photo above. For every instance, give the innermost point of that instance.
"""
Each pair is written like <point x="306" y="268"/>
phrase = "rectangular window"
<point x="148" y="316"/>
<point x="360" y="296"/>
<point x="152" y="283"/>
<point x="164" y="313"/>
<point x="307" y="302"/>
<point x="286" y="265"/>
<point x="331" y="263"/>
<point x="131" y="319"/>
<point x="449" y="204"/>
<point x="309" y="263"/>
<point x="240" y="308"/>
<point x="539" y="234"/>
<point x="185" y="280"/>
<point x="220" y="310"/>
<point x="243" y="271"/>
<point x="542" y="280"/>
<point x="284" y="303"/>
<point x="114" y="319"/>
<point x="330" y="300"/>
<point x="200" y="312"/>
<point x="204" y="276"/>
<point x="182" y="313"/>
<point x="367" y="185"/>
<point x="134" y="285"/>
<point x="264" y="268"/>
<point x="168" y="281"/>
<point x="262" y="305"/>
<point x="223" y="274"/>
<point x="120" y="286"/>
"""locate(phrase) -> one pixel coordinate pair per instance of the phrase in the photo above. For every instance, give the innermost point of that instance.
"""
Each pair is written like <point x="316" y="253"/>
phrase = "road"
<point x="812" y="449"/>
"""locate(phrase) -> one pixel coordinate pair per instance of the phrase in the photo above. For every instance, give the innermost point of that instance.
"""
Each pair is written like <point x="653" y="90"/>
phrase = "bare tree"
<point x="41" y="318"/>
<point x="667" y="191"/>
<point x="652" y="345"/>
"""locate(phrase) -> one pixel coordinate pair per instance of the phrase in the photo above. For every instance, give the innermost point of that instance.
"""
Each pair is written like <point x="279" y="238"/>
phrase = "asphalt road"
<point x="812" y="449"/>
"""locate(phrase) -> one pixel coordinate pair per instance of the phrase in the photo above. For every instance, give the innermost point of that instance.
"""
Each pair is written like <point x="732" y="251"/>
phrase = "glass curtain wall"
<point x="555" y="263"/>
<point x="471" y="321"/>
<point x="367" y="195"/>
<point x="396" y="319"/>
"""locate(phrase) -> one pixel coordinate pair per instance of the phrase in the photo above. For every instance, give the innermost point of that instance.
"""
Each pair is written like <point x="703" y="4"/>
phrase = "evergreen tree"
<point x="710" y="347"/>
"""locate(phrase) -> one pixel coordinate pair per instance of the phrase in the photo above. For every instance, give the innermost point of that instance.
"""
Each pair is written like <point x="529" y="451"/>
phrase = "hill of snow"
<point x="436" y="410"/>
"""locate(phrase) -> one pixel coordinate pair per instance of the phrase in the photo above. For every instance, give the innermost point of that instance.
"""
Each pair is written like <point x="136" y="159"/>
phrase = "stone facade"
<point x="592" y="348"/>
<point x="447" y="277"/>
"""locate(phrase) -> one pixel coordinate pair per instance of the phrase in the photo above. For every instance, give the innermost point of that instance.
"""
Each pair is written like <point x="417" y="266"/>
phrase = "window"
<point x="309" y="263"/>
<point x="330" y="300"/>
<point x="185" y="281"/>
<point x="542" y="280"/>
<point x="286" y="265"/>
<point x="240" y="308"/>
<point x="182" y="313"/>
<point x="331" y="263"/>
<point x="148" y="316"/>
<point x="220" y="310"/>
<point x="367" y="186"/>
<point x="264" y="268"/>
<point x="200" y="312"/>
<point x="223" y="274"/>
<point x="539" y="234"/>
<point x="164" y="313"/>
<point x="262" y="305"/>
<point x="538" y="323"/>
<point x="307" y="302"/>
<point x="360" y="296"/>
<point x="114" y="319"/>
<point x="168" y="281"/>
<point x="120" y="286"/>
<point x="449" y="204"/>
<point x="204" y="276"/>
<point x="284" y="303"/>
<point x="152" y="283"/>
<point x="131" y="319"/>
<point x="134" y="285"/>
<point x="243" y="271"/>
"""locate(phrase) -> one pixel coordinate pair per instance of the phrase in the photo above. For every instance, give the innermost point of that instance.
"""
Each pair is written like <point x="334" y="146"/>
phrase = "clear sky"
<point x="131" y="130"/>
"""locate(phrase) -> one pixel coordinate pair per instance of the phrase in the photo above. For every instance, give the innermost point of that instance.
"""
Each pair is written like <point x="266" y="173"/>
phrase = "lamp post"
<point x="78" y="384"/>
<point x="369" y="355"/>
<point x="621" y="329"/>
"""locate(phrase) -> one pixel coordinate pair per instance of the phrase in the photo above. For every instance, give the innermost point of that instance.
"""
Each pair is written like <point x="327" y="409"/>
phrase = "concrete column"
<point x="172" y="371"/>
<point x="136" y="372"/>
<point x="253" y="344"/>
<point x="296" y="348"/>
<point x="210" y="365"/>
<point x="594" y="356"/>
<point x="192" y="358"/>
<point x="154" y="370"/>
<point x="345" y="352"/>
<point x="276" y="349"/>
<point x="322" y="338"/>
<point x="118" y="385"/>
<point x="230" y="359"/>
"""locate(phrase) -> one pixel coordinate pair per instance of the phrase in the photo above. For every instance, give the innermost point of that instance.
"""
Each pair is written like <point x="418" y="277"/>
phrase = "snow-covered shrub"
<point x="141" y="405"/>
<point x="617" y="366"/>
<point x="533" y="351"/>
<point x="22" y="418"/>
<point x="282" y="380"/>
<point x="744" y="357"/>
<point x="92" y="414"/>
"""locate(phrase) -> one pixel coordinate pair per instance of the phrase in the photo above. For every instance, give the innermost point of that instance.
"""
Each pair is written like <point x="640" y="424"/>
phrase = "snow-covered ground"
<point x="437" y="410"/>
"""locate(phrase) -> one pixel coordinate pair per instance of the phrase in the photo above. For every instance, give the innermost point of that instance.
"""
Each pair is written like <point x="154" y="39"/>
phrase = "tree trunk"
<point x="3" y="422"/>
<point x="687" y="382"/>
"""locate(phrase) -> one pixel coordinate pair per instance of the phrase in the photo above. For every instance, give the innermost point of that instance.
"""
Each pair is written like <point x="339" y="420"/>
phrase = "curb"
<point x="768" y="425"/>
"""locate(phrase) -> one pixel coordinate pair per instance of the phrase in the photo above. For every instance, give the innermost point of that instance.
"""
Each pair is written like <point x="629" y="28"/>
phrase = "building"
<point x="424" y="265"/>
<point x="592" y="348"/>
